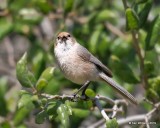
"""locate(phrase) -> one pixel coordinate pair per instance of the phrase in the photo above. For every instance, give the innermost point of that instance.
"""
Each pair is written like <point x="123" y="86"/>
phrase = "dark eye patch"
<point x="69" y="35"/>
<point x="58" y="37"/>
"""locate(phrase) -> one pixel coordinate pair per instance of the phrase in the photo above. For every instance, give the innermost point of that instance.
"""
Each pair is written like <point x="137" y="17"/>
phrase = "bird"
<point x="78" y="65"/>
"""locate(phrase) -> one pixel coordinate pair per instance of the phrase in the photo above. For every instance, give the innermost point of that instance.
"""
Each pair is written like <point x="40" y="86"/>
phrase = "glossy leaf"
<point x="44" y="79"/>
<point x="25" y="100"/>
<point x="80" y="112"/>
<point x="40" y="117"/>
<point x="68" y="107"/>
<point x="20" y="115"/>
<point x="153" y="34"/>
<point x="90" y="93"/>
<point x="51" y="109"/>
<point x="25" y="77"/>
<point x="112" y="123"/>
<point x="63" y="115"/>
<point x="143" y="15"/>
<point x="132" y="20"/>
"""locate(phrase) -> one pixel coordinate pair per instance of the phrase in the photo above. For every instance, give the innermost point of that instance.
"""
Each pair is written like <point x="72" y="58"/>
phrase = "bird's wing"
<point x="87" y="56"/>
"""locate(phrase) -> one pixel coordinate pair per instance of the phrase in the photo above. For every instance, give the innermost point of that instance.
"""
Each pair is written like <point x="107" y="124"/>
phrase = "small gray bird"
<point x="80" y="66"/>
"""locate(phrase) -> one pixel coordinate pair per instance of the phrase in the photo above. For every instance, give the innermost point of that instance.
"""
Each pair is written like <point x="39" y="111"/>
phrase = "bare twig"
<point x="96" y="101"/>
<point x="136" y="118"/>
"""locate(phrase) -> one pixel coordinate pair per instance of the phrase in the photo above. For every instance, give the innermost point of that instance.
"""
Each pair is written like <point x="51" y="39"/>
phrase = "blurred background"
<point x="99" y="25"/>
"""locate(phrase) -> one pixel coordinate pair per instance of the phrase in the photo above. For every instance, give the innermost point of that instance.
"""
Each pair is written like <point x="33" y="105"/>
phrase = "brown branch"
<point x="135" y="37"/>
<point x="96" y="100"/>
<point x="141" y="58"/>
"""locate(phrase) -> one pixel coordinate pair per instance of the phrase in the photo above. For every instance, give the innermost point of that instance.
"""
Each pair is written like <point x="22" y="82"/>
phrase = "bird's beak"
<point x="64" y="39"/>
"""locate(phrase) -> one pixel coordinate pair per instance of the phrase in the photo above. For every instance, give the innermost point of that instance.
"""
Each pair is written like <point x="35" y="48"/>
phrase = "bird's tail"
<point x="118" y="88"/>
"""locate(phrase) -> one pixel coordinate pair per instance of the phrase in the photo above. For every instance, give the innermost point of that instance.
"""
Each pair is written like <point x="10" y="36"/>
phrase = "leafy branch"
<point x="133" y="24"/>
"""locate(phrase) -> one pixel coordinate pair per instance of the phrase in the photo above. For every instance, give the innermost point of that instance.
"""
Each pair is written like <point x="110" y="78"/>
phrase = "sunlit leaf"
<point x="63" y="115"/>
<point x="25" y="77"/>
<point x="80" y="112"/>
<point x="112" y="123"/>
<point x="132" y="20"/>
<point x="44" y="79"/>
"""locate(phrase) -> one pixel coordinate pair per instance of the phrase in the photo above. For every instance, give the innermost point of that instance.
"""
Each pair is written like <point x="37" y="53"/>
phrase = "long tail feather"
<point x="118" y="88"/>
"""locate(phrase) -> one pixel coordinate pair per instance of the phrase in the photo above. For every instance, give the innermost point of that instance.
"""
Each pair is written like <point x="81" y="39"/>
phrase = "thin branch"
<point x="135" y="37"/>
<point x="136" y="118"/>
<point x="95" y="100"/>
<point x="115" y="30"/>
<point x="125" y="4"/>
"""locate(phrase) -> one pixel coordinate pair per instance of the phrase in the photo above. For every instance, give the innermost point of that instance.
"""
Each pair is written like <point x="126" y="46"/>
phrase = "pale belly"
<point x="76" y="69"/>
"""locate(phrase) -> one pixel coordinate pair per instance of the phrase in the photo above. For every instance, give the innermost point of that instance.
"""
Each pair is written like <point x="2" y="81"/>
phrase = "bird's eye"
<point x="58" y="38"/>
<point x="69" y="35"/>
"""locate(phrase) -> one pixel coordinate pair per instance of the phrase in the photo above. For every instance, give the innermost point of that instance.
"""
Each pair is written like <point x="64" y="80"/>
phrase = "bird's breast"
<point x="74" y="67"/>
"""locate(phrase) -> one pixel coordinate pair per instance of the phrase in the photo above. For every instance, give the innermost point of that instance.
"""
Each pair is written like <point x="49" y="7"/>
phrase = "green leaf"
<point x="148" y="67"/>
<point x="104" y="15"/>
<point x="25" y="77"/>
<point x="153" y="34"/>
<point x="25" y="100"/>
<point x="132" y="20"/>
<point x="63" y="115"/>
<point x="44" y="79"/>
<point x="40" y="117"/>
<point x="68" y="107"/>
<point x="152" y="95"/>
<point x="38" y="61"/>
<point x="94" y="40"/>
<point x="155" y="84"/>
<point x="22" y="92"/>
<point x="5" y="124"/>
<point x="44" y="6"/>
<point x="52" y="109"/>
<point x="3" y="90"/>
<point x="122" y="70"/>
<point x="143" y="15"/>
<point x="140" y="1"/>
<point x="112" y="123"/>
<point x="90" y="93"/>
<point x="6" y="27"/>
<point x="68" y="5"/>
<point x="80" y="113"/>
<point x="20" y="115"/>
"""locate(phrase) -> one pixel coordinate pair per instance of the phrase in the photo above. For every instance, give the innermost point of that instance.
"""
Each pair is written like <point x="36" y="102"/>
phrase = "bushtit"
<point x="80" y="66"/>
